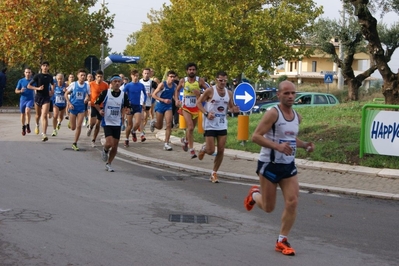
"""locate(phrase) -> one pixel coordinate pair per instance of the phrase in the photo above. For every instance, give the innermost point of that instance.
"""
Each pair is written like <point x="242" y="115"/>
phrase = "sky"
<point x="129" y="16"/>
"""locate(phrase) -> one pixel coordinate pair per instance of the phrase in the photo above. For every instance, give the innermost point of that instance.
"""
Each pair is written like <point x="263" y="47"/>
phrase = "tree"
<point x="63" y="32"/>
<point x="349" y="35"/>
<point x="380" y="57"/>
<point x="233" y="35"/>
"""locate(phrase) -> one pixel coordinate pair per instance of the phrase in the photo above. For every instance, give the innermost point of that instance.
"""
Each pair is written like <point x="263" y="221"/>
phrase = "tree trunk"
<point x="353" y="89"/>
<point x="368" y="23"/>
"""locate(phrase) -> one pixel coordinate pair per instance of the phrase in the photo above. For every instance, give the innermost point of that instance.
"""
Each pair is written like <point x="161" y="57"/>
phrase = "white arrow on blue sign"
<point x="244" y="97"/>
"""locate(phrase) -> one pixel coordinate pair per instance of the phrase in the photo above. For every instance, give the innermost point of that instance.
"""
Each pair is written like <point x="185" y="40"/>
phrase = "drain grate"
<point x="184" y="218"/>
<point x="170" y="178"/>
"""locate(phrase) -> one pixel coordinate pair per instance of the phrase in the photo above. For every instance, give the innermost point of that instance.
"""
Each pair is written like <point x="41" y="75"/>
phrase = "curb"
<point x="249" y="178"/>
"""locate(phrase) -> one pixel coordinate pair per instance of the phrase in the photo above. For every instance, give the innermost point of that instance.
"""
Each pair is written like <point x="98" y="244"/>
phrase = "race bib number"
<point x="114" y="112"/>
<point x="190" y="101"/>
<point x="292" y="144"/>
<point x="79" y="95"/>
<point x="59" y="99"/>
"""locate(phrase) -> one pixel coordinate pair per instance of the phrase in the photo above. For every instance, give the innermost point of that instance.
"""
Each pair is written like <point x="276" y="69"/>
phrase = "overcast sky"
<point x="129" y="16"/>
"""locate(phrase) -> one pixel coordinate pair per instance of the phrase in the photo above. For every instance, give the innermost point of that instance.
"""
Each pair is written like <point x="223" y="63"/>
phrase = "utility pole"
<point x="102" y="46"/>
<point x="341" y="51"/>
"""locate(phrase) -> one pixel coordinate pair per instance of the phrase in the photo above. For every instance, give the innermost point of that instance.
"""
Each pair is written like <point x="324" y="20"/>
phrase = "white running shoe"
<point x="88" y="132"/>
<point x="108" y="167"/>
<point x="167" y="147"/>
<point x="93" y="144"/>
<point x="104" y="155"/>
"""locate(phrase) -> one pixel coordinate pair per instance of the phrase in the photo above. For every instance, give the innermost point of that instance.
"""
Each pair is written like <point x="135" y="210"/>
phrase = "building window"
<point x="291" y="67"/>
<point x="314" y="66"/>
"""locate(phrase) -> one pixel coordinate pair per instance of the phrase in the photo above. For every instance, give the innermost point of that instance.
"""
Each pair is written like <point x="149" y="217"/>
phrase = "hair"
<point x="60" y="75"/>
<point x="147" y="68"/>
<point x="99" y="72"/>
<point x="191" y="65"/>
<point x="4" y="70"/>
<point x="82" y="70"/>
<point x="221" y="73"/>
<point x="45" y="63"/>
<point x="171" y="72"/>
<point x="134" y="72"/>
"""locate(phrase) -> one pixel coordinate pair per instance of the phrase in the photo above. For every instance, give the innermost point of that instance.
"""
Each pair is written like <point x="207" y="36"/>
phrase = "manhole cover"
<point x="170" y="178"/>
<point x="183" y="218"/>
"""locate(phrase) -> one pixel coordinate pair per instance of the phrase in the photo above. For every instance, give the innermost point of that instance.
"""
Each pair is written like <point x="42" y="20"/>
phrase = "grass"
<point x="334" y="130"/>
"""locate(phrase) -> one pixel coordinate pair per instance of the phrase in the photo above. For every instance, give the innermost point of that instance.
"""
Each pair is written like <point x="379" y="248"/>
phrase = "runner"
<point x="79" y="93"/>
<point x="96" y="87"/>
<point x="26" y="101"/>
<point x="86" y="122"/>
<point x="163" y="108"/>
<point x="218" y="100"/>
<point x="277" y="133"/>
<point x="134" y="90"/>
<point x="59" y="104"/>
<point x="44" y="87"/>
<point x="150" y="86"/>
<point x="113" y="100"/>
<point x="192" y="86"/>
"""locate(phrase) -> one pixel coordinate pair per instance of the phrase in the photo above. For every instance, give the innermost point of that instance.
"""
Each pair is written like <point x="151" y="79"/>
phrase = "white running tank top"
<point x="147" y="84"/>
<point x="113" y="109"/>
<point x="285" y="131"/>
<point x="218" y="105"/>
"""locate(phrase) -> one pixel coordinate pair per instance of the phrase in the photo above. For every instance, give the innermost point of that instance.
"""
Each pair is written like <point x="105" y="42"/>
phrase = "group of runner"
<point x="110" y="107"/>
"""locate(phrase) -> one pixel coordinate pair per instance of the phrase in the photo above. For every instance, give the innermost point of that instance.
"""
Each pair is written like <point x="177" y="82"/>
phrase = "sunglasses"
<point x="222" y="80"/>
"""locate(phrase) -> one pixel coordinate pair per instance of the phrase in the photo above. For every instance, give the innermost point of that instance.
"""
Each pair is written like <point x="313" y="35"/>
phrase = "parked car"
<point x="302" y="99"/>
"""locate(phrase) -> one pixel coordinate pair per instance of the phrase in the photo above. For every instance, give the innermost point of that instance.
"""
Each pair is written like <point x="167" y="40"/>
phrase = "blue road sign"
<point x="244" y="97"/>
<point x="328" y="78"/>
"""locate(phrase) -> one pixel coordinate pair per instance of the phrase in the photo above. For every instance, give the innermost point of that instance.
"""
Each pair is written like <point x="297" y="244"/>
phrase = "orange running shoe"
<point x="201" y="153"/>
<point x="249" y="202"/>
<point x="285" y="247"/>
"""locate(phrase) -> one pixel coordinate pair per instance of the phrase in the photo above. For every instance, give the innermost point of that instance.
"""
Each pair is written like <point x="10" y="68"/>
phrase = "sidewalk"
<point x="240" y="166"/>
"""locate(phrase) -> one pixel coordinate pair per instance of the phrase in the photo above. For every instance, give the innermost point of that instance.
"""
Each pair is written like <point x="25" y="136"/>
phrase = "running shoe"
<point x="123" y="127"/>
<point x="75" y="147"/>
<point x="134" y="137"/>
<point x="67" y="117"/>
<point x="109" y="168"/>
<point x="44" y="137"/>
<point x="27" y="128"/>
<point x="85" y="121"/>
<point x="69" y="124"/>
<point x="88" y="132"/>
<point x="152" y="126"/>
<point x="54" y="133"/>
<point x="143" y="138"/>
<point x="104" y="155"/>
<point x="126" y="143"/>
<point x="37" y="130"/>
<point x="192" y="153"/>
<point x="249" y="202"/>
<point x="93" y="143"/>
<point x="185" y="144"/>
<point x="58" y="126"/>
<point x="214" y="178"/>
<point x="167" y="147"/>
<point x="23" y="130"/>
<point x="285" y="247"/>
<point x="201" y="153"/>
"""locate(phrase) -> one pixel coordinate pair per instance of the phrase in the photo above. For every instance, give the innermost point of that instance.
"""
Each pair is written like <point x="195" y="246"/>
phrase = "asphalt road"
<point x="59" y="207"/>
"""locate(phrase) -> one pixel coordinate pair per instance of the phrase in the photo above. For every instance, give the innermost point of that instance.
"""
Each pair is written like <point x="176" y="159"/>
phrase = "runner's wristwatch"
<point x="206" y="114"/>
